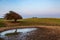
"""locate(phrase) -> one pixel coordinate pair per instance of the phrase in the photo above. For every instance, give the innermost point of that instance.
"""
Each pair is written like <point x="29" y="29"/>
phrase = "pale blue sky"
<point x="31" y="8"/>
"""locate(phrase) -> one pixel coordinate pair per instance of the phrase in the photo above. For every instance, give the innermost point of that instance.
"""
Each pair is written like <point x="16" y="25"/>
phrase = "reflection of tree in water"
<point x="14" y="36"/>
<point x="16" y="31"/>
<point x="39" y="34"/>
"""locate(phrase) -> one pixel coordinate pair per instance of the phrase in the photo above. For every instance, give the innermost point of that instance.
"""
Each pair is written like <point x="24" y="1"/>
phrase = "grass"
<point x="2" y="24"/>
<point x="34" y="21"/>
<point x="42" y="33"/>
<point x="41" y="21"/>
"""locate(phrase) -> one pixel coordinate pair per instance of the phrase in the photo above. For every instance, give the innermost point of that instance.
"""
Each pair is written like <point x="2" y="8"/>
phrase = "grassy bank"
<point x="34" y="21"/>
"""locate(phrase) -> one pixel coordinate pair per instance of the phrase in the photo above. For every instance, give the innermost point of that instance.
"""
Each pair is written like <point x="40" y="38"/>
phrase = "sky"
<point x="31" y="8"/>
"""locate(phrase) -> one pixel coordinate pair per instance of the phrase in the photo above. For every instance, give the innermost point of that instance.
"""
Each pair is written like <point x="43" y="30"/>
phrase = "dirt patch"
<point x="43" y="34"/>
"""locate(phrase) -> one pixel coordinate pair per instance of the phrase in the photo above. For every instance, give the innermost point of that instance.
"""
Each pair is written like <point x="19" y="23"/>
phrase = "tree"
<point x="12" y="15"/>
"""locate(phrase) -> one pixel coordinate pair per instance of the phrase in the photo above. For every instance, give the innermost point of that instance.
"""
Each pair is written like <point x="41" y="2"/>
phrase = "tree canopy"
<point x="12" y="15"/>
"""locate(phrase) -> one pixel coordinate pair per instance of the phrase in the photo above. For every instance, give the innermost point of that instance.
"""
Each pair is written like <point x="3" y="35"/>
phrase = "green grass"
<point x="1" y="23"/>
<point x="41" y="21"/>
<point x="35" y="21"/>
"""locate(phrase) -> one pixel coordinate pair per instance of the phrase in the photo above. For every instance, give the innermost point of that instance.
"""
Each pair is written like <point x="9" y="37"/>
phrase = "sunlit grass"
<point x="34" y="21"/>
<point x="2" y="23"/>
<point x="41" y="21"/>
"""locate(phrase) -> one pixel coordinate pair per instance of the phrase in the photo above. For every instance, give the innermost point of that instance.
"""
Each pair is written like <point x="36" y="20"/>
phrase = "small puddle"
<point x="22" y="32"/>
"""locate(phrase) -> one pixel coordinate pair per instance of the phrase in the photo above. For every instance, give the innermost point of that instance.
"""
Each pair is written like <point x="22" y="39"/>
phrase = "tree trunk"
<point x="16" y="31"/>
<point x="15" y="20"/>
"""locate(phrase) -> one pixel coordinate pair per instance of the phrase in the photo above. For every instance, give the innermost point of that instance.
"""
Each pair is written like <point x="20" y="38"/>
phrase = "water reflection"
<point x="23" y="32"/>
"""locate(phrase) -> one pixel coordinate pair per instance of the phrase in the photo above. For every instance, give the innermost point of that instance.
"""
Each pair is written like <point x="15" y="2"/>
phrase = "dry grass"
<point x="32" y="21"/>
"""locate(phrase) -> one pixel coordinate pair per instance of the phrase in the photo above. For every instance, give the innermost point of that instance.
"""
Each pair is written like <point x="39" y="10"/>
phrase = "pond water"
<point x="22" y="32"/>
<point x="30" y="34"/>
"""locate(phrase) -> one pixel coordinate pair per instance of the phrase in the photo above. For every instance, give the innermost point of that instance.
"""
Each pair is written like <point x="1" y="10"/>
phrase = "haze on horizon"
<point x="31" y="8"/>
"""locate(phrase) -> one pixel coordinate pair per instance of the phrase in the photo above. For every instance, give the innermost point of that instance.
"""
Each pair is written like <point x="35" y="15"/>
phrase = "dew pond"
<point x="16" y="34"/>
<point x="30" y="34"/>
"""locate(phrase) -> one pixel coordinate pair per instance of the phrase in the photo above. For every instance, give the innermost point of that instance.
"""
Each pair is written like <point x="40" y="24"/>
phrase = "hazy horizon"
<point x="31" y="8"/>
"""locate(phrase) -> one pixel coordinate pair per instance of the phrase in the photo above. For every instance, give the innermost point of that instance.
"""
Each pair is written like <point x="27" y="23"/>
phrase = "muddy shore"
<point x="39" y="34"/>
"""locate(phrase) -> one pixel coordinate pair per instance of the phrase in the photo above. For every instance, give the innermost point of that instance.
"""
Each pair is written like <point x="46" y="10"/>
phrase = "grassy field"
<point x="1" y="23"/>
<point x="41" y="21"/>
<point x="33" y="21"/>
<point x="50" y="31"/>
